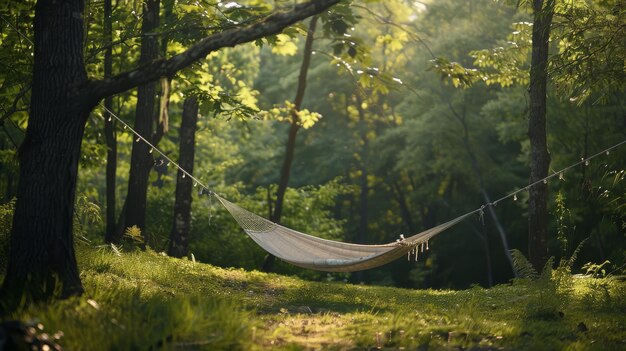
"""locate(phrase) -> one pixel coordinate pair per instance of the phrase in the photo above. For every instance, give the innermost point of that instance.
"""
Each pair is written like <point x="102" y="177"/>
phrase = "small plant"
<point x="550" y="291"/>
<point x="134" y="234"/>
<point x="86" y="216"/>
<point x="6" y="221"/>
<point x="523" y="268"/>
<point x="596" y="270"/>
<point x="563" y="215"/>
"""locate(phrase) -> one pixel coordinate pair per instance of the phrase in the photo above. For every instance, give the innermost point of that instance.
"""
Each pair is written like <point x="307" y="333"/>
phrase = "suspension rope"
<point x="154" y="148"/>
<point x="479" y="210"/>
<point x="585" y="161"/>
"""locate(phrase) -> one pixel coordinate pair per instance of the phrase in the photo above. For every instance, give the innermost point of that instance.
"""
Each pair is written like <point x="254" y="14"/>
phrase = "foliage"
<point x="523" y="268"/>
<point x="596" y="270"/>
<point x="134" y="235"/>
<point x="553" y="289"/>
<point x="454" y="72"/>
<point x="87" y="218"/>
<point x="585" y="63"/>
<point x="305" y="118"/>
<point x="6" y="221"/>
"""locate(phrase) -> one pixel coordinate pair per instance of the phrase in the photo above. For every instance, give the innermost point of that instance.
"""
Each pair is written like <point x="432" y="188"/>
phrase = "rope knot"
<point x="481" y="214"/>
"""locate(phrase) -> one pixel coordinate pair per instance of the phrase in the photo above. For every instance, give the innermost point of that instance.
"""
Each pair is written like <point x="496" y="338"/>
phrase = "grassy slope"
<point x="146" y="300"/>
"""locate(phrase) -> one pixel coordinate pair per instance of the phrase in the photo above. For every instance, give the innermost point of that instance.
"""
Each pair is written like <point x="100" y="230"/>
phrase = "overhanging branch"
<point x="273" y="24"/>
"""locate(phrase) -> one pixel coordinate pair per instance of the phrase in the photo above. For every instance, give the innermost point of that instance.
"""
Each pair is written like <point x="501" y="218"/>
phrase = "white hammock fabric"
<point x="311" y="252"/>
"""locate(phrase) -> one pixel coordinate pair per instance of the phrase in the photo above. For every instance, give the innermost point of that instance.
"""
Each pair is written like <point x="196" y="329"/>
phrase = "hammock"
<point x="311" y="252"/>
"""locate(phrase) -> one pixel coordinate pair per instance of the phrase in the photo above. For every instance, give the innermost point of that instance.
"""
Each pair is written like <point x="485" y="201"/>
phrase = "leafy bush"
<point x="87" y="219"/>
<point x="549" y="292"/>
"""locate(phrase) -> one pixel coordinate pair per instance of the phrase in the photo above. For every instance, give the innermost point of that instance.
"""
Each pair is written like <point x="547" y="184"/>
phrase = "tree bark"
<point x="179" y="236"/>
<point x="364" y="189"/>
<point x="42" y="263"/>
<point x="141" y="160"/>
<point x="268" y="265"/>
<point x="405" y="211"/>
<point x="109" y="128"/>
<point x="539" y="156"/>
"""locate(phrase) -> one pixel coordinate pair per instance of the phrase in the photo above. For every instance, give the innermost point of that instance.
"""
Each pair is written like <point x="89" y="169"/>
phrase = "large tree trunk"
<point x="268" y="265"/>
<point x="109" y="129"/>
<point x="539" y="156"/>
<point x="141" y="160"/>
<point x="179" y="236"/>
<point x="41" y="260"/>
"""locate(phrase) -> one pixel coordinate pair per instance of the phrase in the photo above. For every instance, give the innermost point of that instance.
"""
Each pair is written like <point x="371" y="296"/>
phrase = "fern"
<point x="569" y="264"/>
<point x="546" y="272"/>
<point x="134" y="234"/>
<point x="116" y="250"/>
<point x="522" y="267"/>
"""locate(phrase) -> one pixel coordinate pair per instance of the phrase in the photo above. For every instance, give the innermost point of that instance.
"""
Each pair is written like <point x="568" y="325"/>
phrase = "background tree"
<point x="295" y="125"/>
<point x="109" y="127"/>
<point x="134" y="209"/>
<point x="179" y="236"/>
<point x="543" y="11"/>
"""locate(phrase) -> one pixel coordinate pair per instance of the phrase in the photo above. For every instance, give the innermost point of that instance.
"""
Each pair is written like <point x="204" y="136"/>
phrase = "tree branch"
<point x="273" y="24"/>
<point x="13" y="109"/>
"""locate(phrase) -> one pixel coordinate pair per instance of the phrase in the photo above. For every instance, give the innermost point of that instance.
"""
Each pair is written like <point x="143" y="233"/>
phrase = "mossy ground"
<point x="144" y="300"/>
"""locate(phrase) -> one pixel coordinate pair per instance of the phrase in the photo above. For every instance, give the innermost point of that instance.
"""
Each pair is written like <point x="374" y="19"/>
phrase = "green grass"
<point x="144" y="300"/>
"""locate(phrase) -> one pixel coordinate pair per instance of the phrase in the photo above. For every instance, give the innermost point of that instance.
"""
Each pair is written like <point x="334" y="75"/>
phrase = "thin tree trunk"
<point x="42" y="262"/>
<point x="396" y="190"/>
<point x="539" y="156"/>
<point x="268" y="265"/>
<point x="361" y="233"/>
<point x="483" y="191"/>
<point x="496" y="221"/>
<point x="141" y="160"/>
<point x="109" y="129"/>
<point x="179" y="236"/>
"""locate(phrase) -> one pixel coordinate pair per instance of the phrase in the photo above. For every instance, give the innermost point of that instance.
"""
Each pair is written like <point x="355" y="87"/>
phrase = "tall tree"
<point x="543" y="12"/>
<point x="42" y="263"/>
<point x="109" y="127"/>
<point x="141" y="161"/>
<point x="285" y="172"/>
<point x="179" y="236"/>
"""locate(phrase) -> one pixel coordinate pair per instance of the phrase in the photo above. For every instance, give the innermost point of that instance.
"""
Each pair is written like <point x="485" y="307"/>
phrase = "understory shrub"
<point x="6" y="222"/>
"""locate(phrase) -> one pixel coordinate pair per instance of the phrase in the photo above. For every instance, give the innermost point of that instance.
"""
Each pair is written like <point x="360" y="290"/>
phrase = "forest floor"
<point x="145" y="300"/>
